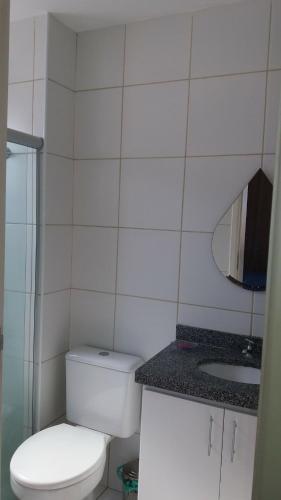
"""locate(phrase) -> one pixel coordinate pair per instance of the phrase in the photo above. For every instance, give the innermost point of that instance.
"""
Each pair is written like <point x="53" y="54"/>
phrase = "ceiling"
<point x="81" y="15"/>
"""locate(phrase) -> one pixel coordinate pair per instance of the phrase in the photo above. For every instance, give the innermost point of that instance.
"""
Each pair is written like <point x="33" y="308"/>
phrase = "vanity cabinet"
<point x="180" y="453"/>
<point x="194" y="451"/>
<point x="238" y="454"/>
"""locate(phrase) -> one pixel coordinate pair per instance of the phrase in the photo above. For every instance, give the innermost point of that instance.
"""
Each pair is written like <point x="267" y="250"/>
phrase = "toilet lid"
<point x="58" y="457"/>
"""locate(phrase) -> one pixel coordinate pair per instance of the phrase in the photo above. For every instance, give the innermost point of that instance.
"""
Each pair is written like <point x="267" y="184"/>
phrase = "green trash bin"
<point x="129" y="476"/>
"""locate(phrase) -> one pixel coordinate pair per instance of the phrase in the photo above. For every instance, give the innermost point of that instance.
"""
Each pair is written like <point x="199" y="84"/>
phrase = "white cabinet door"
<point x="238" y="456"/>
<point x="181" y="444"/>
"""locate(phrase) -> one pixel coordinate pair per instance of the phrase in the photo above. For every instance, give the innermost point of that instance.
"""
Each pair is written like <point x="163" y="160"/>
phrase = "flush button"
<point x="103" y="353"/>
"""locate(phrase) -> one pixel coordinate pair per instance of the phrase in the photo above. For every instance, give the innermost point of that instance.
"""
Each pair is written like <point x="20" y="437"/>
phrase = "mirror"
<point x="241" y="238"/>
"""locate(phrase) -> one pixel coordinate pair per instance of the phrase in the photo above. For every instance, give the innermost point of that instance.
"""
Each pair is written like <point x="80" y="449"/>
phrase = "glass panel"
<point x="19" y="300"/>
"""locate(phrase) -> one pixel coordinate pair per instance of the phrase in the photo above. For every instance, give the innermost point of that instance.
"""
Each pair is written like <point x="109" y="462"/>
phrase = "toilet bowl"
<point x="66" y="462"/>
<point x="63" y="462"/>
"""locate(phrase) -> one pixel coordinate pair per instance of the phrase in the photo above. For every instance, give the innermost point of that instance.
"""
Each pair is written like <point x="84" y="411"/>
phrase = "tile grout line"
<point x="118" y="223"/>
<point x="119" y="190"/>
<point x="264" y="129"/>
<point x="252" y="315"/>
<point x="159" y="157"/>
<point x="129" y="228"/>
<point x="72" y="194"/>
<point x="190" y="34"/>
<point x="62" y="353"/>
<point x="27" y="308"/>
<point x="160" y="82"/>
<point x="266" y="86"/>
<point x="21" y="82"/>
<point x="163" y="82"/>
<point x="159" y="299"/>
<point x="51" y="80"/>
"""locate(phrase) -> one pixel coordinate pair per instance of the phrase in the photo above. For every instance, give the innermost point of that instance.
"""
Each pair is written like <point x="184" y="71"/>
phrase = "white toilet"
<point x="66" y="462"/>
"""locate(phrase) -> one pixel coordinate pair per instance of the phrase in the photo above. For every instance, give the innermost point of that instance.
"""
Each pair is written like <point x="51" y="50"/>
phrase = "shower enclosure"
<point x="21" y="250"/>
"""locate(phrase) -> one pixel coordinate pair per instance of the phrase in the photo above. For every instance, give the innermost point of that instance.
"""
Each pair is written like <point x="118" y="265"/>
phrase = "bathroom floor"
<point x="111" y="495"/>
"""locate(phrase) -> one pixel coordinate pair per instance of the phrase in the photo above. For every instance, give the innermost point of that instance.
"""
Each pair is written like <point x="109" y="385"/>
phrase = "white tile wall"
<point x="39" y="108"/>
<point x="54" y="40"/>
<point x="148" y="263"/>
<point x="151" y="193"/>
<point x="94" y="258"/>
<point x="272" y="108"/>
<point x="61" y="53"/>
<point x="26" y="66"/>
<point x="56" y="324"/>
<point x="92" y="318"/>
<point x="96" y="192"/>
<point x="21" y="51"/>
<point x="100" y="58"/>
<point x="216" y="319"/>
<point x="40" y="49"/>
<point x="52" y="390"/>
<point x="20" y="98"/>
<point x="158" y="50"/>
<point x="58" y="186"/>
<point x="232" y="39"/>
<point x="144" y="327"/>
<point x="57" y="263"/>
<point x="258" y="325"/>
<point x="60" y="120"/>
<point x="98" y="124"/>
<point x="154" y="120"/>
<point x="275" y="38"/>
<point x="226" y="115"/>
<point x="259" y="303"/>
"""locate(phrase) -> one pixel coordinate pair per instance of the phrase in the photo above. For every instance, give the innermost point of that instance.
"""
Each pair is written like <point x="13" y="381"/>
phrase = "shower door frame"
<point x="23" y="139"/>
<point x="35" y="143"/>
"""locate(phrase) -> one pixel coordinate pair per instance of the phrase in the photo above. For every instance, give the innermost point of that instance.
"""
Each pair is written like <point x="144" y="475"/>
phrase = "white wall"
<point x="56" y="219"/>
<point x="41" y="102"/>
<point x="146" y="200"/>
<point x="173" y="117"/>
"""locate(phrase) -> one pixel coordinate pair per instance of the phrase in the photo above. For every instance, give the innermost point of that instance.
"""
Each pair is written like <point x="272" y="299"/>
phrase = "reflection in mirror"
<point x="241" y="238"/>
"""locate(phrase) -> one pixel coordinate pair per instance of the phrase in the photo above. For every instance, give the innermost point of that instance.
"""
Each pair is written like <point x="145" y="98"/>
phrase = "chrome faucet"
<point x="248" y="350"/>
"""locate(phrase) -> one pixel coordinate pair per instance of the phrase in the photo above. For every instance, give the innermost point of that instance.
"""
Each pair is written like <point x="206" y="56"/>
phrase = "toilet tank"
<point x="101" y="392"/>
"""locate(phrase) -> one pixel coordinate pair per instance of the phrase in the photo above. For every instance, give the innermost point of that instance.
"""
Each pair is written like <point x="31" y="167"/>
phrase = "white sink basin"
<point x="235" y="373"/>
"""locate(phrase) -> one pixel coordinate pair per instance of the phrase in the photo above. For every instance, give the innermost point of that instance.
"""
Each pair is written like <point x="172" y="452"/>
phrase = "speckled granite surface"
<point x="175" y="368"/>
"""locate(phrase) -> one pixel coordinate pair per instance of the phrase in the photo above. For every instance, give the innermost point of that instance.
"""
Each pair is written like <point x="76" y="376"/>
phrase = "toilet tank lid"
<point x="106" y="359"/>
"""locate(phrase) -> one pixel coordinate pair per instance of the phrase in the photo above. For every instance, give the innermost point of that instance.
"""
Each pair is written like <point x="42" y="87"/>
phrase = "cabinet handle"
<point x="210" y="445"/>
<point x="234" y="432"/>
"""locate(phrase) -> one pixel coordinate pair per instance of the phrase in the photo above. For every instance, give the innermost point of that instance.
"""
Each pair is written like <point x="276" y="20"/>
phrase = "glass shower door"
<point x="19" y="303"/>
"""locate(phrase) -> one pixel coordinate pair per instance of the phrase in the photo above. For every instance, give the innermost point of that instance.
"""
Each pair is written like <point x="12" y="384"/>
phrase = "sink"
<point x="235" y="373"/>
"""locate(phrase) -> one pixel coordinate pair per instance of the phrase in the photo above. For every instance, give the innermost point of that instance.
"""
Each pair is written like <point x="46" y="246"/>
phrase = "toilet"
<point x="67" y="461"/>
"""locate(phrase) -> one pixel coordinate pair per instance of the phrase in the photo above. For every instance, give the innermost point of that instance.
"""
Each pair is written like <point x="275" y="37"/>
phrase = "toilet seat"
<point x="59" y="457"/>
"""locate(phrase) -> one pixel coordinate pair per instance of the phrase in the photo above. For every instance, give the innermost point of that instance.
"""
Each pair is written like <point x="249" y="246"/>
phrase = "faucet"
<point x="248" y="350"/>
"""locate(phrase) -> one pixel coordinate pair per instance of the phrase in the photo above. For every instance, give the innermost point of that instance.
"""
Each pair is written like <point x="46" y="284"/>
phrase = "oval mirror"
<point x="241" y="238"/>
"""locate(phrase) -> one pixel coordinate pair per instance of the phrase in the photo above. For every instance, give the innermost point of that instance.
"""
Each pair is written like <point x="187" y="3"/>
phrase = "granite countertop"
<point x="175" y="368"/>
